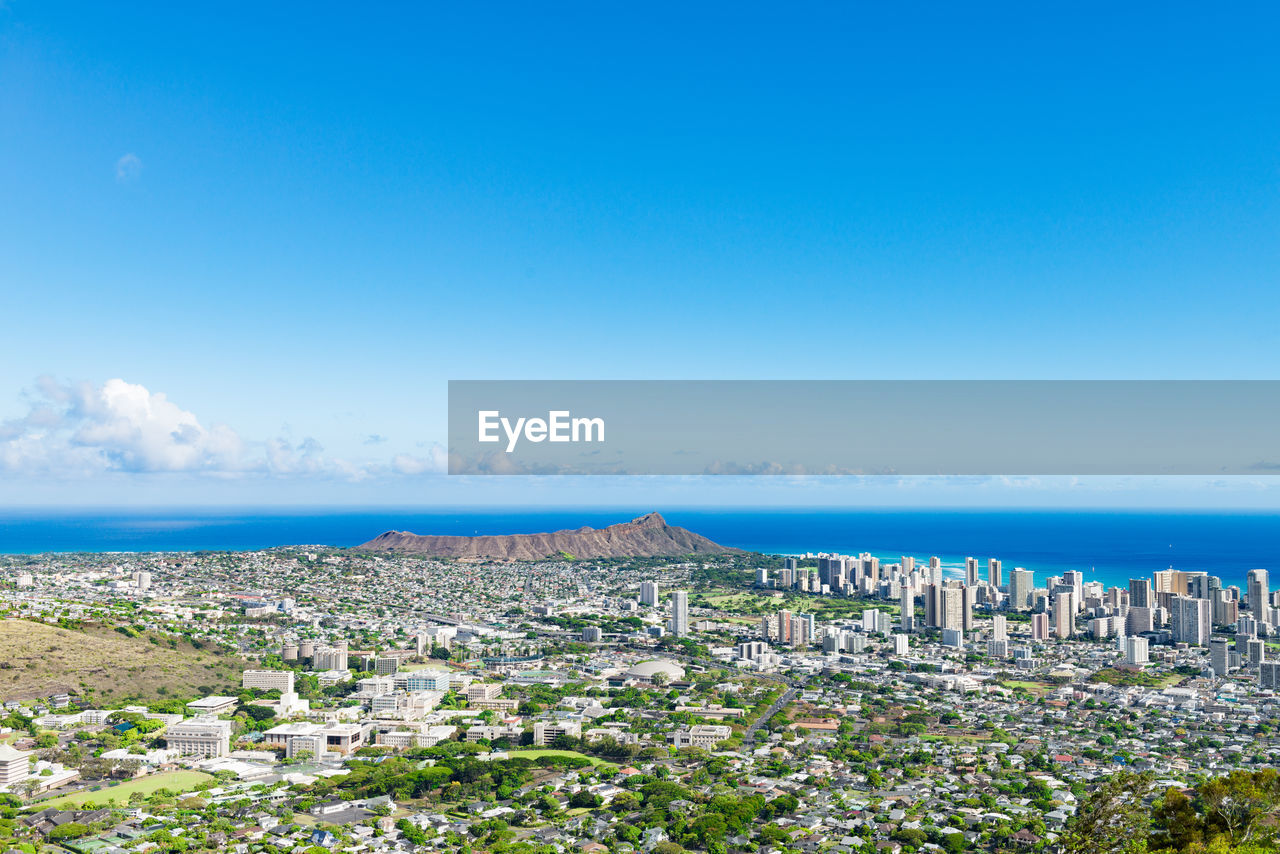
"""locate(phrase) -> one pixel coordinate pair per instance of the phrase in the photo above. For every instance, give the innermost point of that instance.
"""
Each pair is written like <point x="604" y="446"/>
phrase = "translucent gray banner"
<point x="857" y="427"/>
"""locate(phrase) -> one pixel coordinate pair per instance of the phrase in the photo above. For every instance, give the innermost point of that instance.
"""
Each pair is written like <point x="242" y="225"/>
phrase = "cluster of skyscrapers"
<point x="1171" y="607"/>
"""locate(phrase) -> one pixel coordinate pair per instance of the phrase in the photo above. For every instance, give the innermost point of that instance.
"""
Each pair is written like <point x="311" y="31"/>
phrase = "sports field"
<point x="177" y="781"/>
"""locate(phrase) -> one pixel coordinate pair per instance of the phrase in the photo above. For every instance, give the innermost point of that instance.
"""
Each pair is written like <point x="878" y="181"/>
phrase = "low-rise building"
<point x="200" y="736"/>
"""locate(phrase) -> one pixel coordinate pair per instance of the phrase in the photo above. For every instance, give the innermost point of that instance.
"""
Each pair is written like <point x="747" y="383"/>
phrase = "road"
<point x="749" y="737"/>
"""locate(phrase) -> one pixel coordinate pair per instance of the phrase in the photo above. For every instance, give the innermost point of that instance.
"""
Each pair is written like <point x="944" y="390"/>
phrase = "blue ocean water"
<point x="1108" y="546"/>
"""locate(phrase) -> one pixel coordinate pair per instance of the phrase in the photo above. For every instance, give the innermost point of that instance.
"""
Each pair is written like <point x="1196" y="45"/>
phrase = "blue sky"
<point x="298" y="222"/>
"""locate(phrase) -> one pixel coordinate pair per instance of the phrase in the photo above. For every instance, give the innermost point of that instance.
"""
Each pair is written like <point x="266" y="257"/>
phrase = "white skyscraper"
<point x="999" y="629"/>
<point x="1190" y="620"/>
<point x="1135" y="651"/>
<point x="908" y="603"/>
<point x="648" y="593"/>
<point x="679" y="613"/>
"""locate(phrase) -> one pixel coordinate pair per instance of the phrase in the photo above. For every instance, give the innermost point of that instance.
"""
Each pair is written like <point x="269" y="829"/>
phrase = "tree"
<point x="258" y="713"/>
<point x="1234" y="804"/>
<point x="1178" y="822"/>
<point x="1112" y="819"/>
<point x="585" y="799"/>
<point x="70" y="830"/>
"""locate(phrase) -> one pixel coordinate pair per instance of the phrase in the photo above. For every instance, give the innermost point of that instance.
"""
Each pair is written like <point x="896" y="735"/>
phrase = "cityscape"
<point x="639" y="428"/>
<point x="308" y="696"/>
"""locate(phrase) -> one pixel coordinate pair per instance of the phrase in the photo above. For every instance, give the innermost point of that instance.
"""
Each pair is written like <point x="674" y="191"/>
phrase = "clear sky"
<point x="297" y="221"/>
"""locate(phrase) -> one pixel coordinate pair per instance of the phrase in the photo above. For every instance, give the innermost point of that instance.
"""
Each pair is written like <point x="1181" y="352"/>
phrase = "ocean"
<point x="1107" y="546"/>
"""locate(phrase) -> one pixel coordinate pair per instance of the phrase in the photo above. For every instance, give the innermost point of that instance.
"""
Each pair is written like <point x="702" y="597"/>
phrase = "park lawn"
<point x="1039" y="689"/>
<point x="719" y="600"/>
<point x="534" y="753"/>
<point x="177" y="781"/>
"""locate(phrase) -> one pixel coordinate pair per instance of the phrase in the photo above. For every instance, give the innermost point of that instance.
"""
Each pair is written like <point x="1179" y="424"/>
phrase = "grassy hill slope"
<point x="37" y="660"/>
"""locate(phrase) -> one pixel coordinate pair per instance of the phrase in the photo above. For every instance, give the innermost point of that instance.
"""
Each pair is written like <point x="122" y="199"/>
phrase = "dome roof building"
<point x="645" y="671"/>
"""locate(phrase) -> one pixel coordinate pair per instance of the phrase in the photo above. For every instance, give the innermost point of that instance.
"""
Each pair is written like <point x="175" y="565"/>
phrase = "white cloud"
<point x="435" y="462"/>
<point x="118" y="426"/>
<point x="79" y="429"/>
<point x="128" y="168"/>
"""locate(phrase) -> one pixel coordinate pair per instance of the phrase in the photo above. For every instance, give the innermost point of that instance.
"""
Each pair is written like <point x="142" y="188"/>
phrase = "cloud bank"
<point x="81" y="429"/>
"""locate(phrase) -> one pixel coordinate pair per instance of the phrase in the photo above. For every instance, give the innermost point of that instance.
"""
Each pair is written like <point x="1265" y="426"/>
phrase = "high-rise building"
<point x="999" y="628"/>
<point x="762" y="577"/>
<point x="1226" y="610"/>
<point x="1256" y="649"/>
<point x="932" y="605"/>
<point x="1135" y="651"/>
<point x="1040" y="626"/>
<point x="1269" y="675"/>
<point x="935" y="570"/>
<point x="907" y="621"/>
<point x="1190" y="620"/>
<point x="1021" y="583"/>
<point x="1140" y="593"/>
<point x="784" y="626"/>
<point x="901" y="644"/>
<point x="679" y="613"/>
<point x="1075" y="580"/>
<point x="648" y="593"/>
<point x="1219" y="657"/>
<point x="1200" y="585"/>
<point x="1073" y="603"/>
<point x="994" y="573"/>
<point x="1139" y="620"/>
<point x="971" y="571"/>
<point x="832" y="571"/>
<point x="1258" y="589"/>
<point x="1064" y="615"/>
<point x="951" y="613"/>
